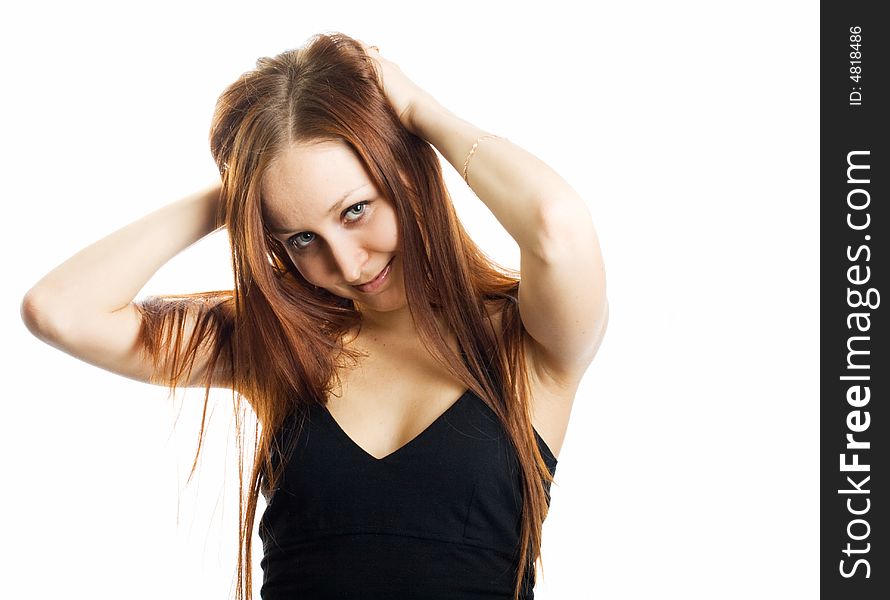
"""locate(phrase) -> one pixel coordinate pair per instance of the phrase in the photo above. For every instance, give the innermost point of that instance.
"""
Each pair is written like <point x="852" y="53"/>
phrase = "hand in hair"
<point x="403" y="94"/>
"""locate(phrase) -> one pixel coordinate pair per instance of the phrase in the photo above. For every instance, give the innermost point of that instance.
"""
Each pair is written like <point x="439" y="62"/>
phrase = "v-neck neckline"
<point x="404" y="447"/>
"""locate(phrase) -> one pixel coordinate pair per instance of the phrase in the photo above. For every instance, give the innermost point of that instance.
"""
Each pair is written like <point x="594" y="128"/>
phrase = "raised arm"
<point x="85" y="305"/>
<point x="562" y="295"/>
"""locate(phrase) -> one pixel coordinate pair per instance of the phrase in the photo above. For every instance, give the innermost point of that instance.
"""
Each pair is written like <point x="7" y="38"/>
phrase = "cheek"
<point x="308" y="268"/>
<point x="386" y="230"/>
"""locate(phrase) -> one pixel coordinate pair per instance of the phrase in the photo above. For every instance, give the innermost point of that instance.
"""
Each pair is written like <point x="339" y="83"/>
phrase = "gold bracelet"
<point x="473" y="150"/>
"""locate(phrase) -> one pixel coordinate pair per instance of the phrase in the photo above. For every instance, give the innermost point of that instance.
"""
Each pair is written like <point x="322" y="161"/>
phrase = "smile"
<point x="376" y="283"/>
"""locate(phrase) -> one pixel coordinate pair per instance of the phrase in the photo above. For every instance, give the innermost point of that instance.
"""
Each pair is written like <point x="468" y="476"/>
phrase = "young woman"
<point x="411" y="396"/>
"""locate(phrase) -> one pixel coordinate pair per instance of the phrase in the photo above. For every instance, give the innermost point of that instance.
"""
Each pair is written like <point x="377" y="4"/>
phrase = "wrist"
<point x="422" y="115"/>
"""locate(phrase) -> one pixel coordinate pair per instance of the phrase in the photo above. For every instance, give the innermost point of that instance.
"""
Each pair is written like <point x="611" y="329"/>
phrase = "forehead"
<point x="305" y="180"/>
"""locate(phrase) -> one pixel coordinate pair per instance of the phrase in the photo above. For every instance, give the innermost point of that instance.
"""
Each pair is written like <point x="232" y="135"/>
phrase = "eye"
<point x="299" y="242"/>
<point x="357" y="214"/>
<point x="354" y="213"/>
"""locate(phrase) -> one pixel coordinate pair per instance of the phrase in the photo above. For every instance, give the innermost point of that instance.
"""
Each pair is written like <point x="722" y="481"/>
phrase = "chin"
<point x="389" y="300"/>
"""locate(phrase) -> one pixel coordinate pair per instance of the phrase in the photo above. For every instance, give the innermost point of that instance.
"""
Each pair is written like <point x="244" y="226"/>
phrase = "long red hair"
<point x="278" y="337"/>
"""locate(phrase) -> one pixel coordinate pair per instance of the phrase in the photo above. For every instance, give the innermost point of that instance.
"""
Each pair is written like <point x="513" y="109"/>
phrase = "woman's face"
<point x="339" y="231"/>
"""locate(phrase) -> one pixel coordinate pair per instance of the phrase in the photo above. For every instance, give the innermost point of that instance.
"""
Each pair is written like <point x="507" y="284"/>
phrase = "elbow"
<point x="39" y="316"/>
<point x="565" y="228"/>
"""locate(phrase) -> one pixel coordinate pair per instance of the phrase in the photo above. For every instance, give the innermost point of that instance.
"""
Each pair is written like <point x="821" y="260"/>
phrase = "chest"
<point x="392" y="395"/>
<point x="398" y="390"/>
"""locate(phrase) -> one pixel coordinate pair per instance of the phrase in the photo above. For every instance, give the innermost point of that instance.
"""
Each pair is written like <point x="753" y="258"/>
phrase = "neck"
<point x="396" y="322"/>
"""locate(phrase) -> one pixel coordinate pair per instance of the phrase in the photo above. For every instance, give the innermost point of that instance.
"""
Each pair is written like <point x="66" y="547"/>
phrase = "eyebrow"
<point x="333" y="209"/>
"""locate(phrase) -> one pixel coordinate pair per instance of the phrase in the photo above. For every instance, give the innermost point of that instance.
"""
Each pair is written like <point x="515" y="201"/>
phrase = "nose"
<point x="349" y="259"/>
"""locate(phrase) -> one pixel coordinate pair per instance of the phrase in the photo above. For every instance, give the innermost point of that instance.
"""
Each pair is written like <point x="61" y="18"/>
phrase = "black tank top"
<point x="437" y="518"/>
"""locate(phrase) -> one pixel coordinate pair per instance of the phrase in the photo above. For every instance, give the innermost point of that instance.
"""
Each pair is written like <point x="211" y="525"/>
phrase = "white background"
<point x="690" y="128"/>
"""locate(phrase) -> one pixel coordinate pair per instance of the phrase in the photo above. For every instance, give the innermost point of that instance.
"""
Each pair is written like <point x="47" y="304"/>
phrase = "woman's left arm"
<point x="562" y="295"/>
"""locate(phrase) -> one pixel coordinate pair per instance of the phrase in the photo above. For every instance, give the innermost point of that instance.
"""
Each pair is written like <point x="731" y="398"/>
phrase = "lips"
<point x="378" y="281"/>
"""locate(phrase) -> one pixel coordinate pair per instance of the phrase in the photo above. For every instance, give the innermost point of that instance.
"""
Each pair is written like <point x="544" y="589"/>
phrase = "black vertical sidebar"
<point x="854" y="302"/>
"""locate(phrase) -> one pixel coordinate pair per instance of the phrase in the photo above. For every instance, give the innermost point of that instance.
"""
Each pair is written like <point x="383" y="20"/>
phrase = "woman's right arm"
<point x="85" y="305"/>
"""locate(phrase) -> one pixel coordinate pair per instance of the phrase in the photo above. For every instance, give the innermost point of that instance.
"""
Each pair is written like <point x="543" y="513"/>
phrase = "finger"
<point x="368" y="48"/>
